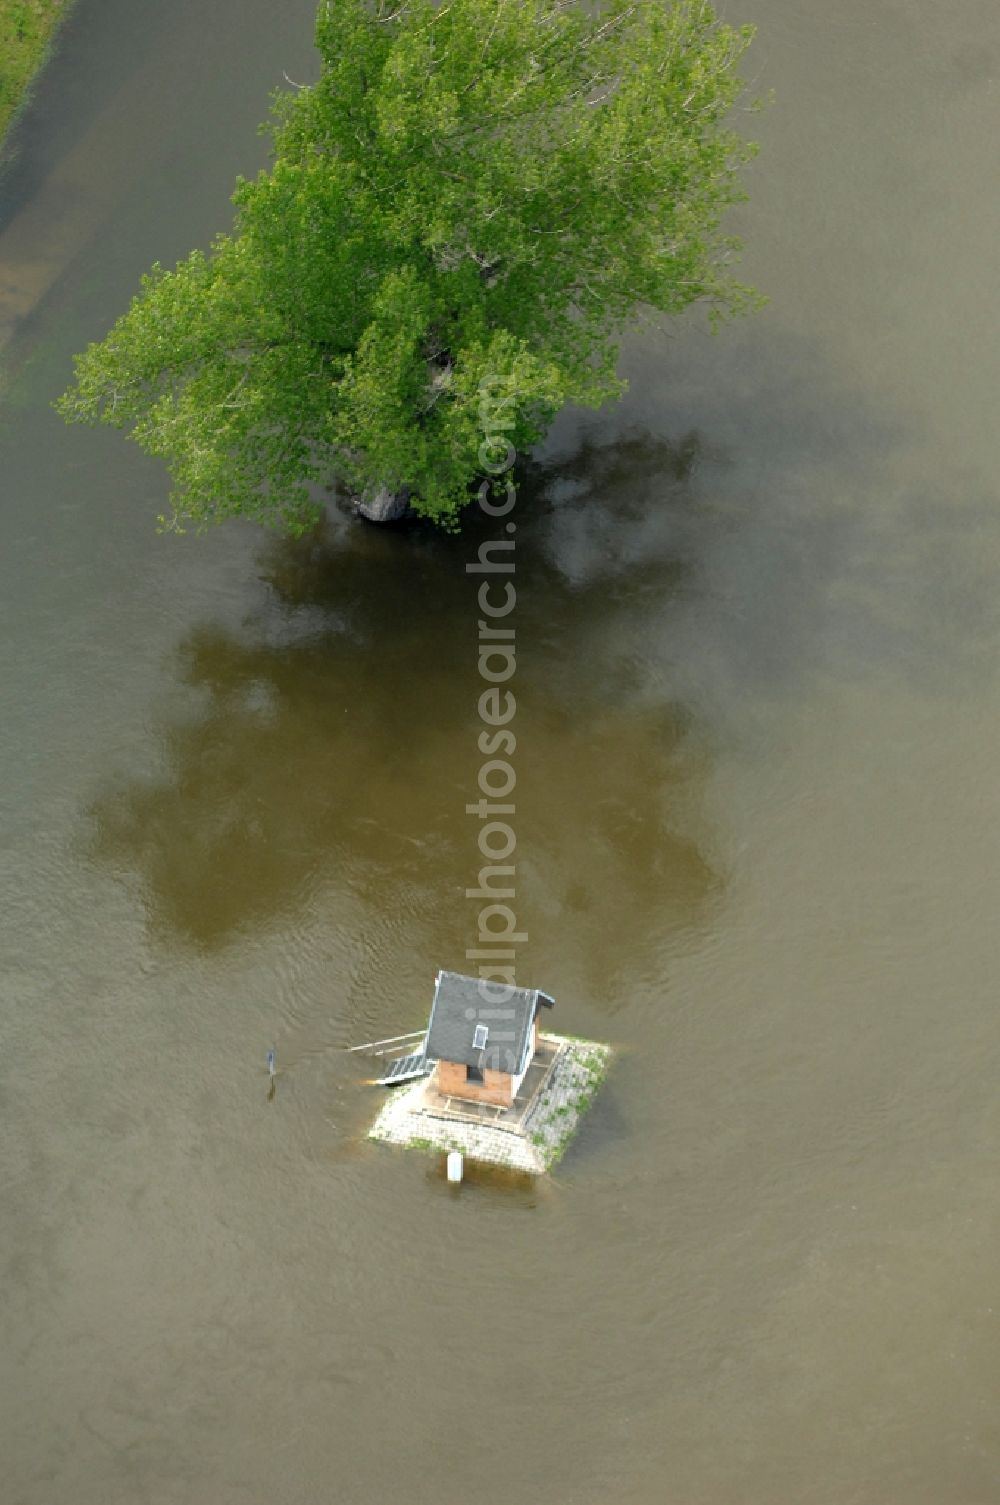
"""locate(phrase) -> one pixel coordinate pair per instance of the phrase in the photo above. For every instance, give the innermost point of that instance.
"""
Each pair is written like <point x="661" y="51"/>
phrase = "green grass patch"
<point x="26" y="29"/>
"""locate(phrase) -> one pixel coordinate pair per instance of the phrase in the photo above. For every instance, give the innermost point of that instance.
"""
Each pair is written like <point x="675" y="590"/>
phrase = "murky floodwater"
<point x="758" y="716"/>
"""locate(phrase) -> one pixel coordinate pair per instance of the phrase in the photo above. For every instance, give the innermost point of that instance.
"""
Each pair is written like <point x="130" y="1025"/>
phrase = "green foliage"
<point x="476" y="190"/>
<point x="26" y="28"/>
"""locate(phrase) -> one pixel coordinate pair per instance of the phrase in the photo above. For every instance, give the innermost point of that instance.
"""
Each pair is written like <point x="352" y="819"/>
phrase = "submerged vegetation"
<point x="26" y="29"/>
<point x="471" y="193"/>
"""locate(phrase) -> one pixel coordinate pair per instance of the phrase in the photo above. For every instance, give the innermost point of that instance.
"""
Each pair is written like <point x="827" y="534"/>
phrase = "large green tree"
<point x="474" y="190"/>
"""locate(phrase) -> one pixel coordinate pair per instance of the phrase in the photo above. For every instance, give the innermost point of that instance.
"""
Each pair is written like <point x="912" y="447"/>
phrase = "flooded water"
<point x="758" y="720"/>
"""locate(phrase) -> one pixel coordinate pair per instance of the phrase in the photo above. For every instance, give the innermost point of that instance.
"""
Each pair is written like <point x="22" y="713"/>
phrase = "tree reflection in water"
<point x="331" y="747"/>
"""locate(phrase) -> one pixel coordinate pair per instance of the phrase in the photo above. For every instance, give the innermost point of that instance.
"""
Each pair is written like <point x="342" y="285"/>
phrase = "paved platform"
<point x="529" y="1136"/>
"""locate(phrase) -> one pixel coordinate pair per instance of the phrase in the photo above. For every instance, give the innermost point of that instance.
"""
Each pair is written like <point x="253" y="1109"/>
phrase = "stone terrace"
<point x="530" y="1136"/>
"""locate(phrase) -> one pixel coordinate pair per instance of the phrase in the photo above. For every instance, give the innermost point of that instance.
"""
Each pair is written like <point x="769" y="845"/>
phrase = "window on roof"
<point x="474" y="1074"/>
<point x="479" y="1039"/>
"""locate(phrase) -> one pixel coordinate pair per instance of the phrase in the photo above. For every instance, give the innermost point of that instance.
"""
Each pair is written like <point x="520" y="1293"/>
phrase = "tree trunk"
<point x="383" y="505"/>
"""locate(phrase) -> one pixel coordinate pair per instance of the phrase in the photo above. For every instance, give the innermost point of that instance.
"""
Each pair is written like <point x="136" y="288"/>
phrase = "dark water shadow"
<point x="330" y="744"/>
<point x="519" y="1191"/>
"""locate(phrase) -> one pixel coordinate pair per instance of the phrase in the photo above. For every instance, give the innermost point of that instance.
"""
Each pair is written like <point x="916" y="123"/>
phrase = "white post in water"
<point x="454" y="1165"/>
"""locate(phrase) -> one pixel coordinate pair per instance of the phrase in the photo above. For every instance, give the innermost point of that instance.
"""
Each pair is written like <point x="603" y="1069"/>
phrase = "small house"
<point x="482" y="1036"/>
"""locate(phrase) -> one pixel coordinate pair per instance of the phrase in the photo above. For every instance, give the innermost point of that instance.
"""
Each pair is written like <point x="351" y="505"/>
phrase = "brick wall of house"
<point x="496" y="1088"/>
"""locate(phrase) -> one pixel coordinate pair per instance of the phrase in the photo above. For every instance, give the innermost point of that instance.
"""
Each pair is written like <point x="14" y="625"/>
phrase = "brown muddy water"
<point x="759" y="718"/>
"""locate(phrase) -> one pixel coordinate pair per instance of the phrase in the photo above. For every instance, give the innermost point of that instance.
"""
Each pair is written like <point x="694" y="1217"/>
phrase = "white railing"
<point x="394" y="1042"/>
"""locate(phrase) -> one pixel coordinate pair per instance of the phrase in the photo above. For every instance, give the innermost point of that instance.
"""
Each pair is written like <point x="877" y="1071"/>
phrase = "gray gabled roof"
<point x="460" y="1003"/>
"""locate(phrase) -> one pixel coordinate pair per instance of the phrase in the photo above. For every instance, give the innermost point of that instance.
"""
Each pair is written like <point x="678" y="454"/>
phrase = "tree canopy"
<point x="473" y="190"/>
